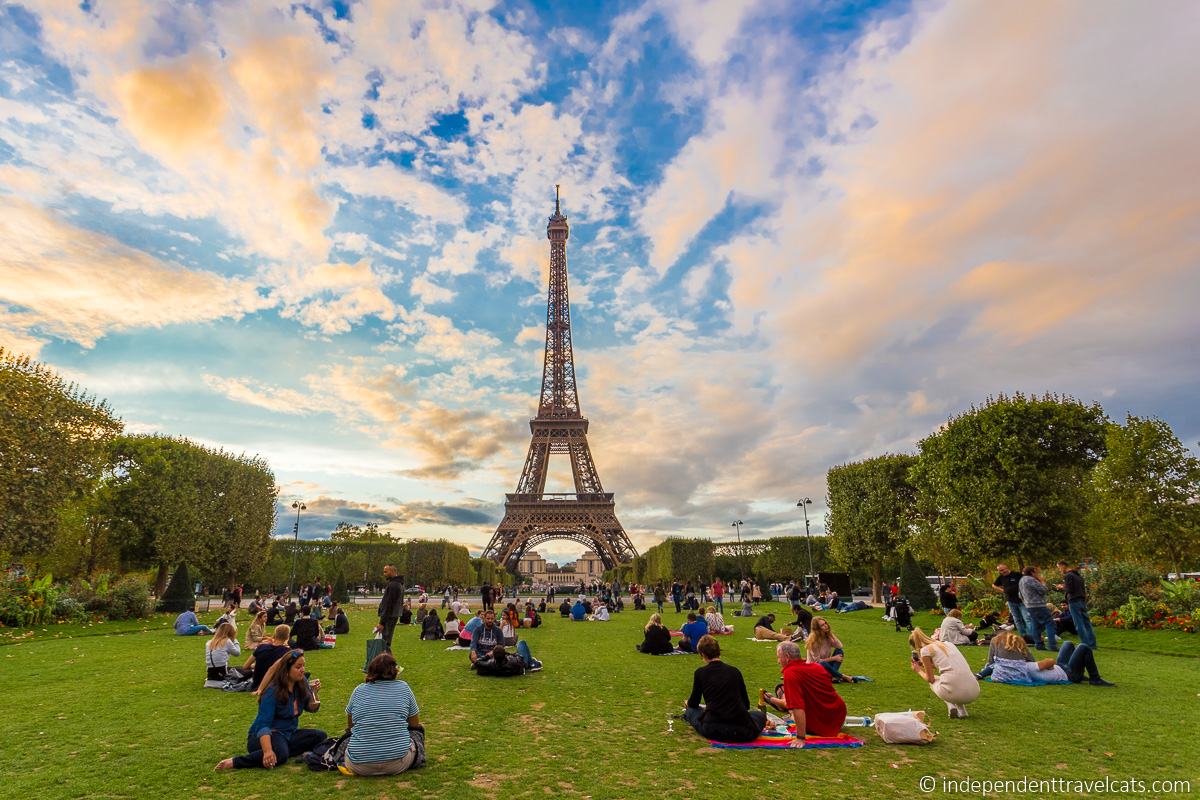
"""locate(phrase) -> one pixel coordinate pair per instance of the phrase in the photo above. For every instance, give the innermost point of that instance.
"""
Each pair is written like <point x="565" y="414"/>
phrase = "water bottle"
<point x="857" y="722"/>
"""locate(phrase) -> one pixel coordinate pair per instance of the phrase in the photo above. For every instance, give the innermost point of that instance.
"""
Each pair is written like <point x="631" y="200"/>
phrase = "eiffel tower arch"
<point x="531" y="515"/>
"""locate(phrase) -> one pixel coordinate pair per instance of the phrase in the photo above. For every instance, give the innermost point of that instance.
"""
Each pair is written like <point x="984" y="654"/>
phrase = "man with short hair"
<point x="267" y="653"/>
<point x="693" y="631"/>
<point x="390" y="605"/>
<point x="808" y="695"/>
<point x="763" y="629"/>
<point x="1073" y="589"/>
<point x="188" y="624"/>
<point x="726" y="715"/>
<point x="1009" y="583"/>
<point x="486" y="637"/>
<point x="1033" y="597"/>
<point x="718" y="593"/>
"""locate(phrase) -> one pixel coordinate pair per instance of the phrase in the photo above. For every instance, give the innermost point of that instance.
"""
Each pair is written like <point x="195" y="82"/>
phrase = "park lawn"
<point x="117" y="716"/>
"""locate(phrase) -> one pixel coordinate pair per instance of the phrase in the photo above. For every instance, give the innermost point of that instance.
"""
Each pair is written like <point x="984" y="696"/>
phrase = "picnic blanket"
<point x="675" y="653"/>
<point x="457" y="647"/>
<point x="777" y="740"/>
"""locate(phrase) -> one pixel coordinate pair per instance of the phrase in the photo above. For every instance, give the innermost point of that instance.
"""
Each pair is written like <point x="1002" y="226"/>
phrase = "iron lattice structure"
<point x="588" y="515"/>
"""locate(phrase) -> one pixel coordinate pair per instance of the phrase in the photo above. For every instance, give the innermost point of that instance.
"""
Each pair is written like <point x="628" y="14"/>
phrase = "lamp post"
<point x="296" y="547"/>
<point x="741" y="556"/>
<point x="804" y="503"/>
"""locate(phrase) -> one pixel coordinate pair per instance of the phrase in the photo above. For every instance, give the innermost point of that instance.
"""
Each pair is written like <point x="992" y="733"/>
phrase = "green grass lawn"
<point x="123" y="715"/>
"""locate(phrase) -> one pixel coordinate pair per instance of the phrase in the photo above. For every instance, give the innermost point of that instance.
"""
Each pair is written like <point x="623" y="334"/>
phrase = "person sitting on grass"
<point x="802" y="624"/>
<point x="257" y="631"/>
<point x="824" y="648"/>
<point x="188" y="624"/>
<point x="274" y="614"/>
<point x="763" y="630"/>
<point x="306" y="633"/>
<point x="1009" y="661"/>
<point x="564" y="608"/>
<point x="944" y="668"/>
<point x="656" y="639"/>
<point x="422" y="612"/>
<point x="340" y="624"/>
<point x="532" y="618"/>
<point x="716" y="622"/>
<point x="953" y="631"/>
<point x="578" y="611"/>
<point x="266" y="654"/>
<point x="693" y="630"/>
<point x="808" y="696"/>
<point x="453" y="626"/>
<point x="485" y="637"/>
<point x="431" y="627"/>
<point x="219" y="649"/>
<point x="726" y="715"/>
<point x="601" y="613"/>
<point x="381" y="715"/>
<point x="406" y="614"/>
<point x="275" y="733"/>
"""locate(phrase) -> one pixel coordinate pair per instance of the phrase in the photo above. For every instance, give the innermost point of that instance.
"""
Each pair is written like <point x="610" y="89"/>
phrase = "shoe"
<point x="342" y="769"/>
<point x="954" y="712"/>
<point x="1100" y="682"/>
<point x="962" y="712"/>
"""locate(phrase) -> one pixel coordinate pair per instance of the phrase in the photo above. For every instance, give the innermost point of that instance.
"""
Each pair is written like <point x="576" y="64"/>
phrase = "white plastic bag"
<point x="903" y="727"/>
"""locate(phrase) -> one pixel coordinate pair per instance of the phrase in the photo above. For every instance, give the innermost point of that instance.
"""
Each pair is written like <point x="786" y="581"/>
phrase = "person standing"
<point x="1033" y="596"/>
<point x="1076" y="593"/>
<point x="676" y="595"/>
<point x="726" y="715"/>
<point x="718" y="593"/>
<point x="1009" y="583"/>
<point x="808" y="696"/>
<point x="390" y="605"/>
<point x="660" y="596"/>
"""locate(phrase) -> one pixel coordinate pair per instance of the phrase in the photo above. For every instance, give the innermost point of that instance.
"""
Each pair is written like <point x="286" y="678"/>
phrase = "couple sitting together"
<point x="807" y="695"/>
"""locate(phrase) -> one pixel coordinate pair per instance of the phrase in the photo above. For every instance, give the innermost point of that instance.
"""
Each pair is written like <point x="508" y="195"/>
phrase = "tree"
<point x="1147" y="494"/>
<point x="347" y="532"/>
<point x="53" y="440"/>
<point x="1008" y="479"/>
<point x="180" y="595"/>
<point x="914" y="586"/>
<point x="870" y="506"/>
<point x="686" y="559"/>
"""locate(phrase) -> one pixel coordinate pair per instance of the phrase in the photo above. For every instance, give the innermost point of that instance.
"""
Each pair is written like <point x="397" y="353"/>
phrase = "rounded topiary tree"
<point x="340" y="595"/>
<point x="914" y="586"/>
<point x="179" y="595"/>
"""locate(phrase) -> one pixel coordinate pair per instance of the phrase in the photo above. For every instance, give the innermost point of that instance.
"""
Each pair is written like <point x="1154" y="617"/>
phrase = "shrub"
<point x="1135" y="613"/>
<point x="972" y="590"/>
<point x="989" y="604"/>
<point x="130" y="598"/>
<point x="179" y="595"/>
<point x="1181" y="597"/>
<point x="340" y="594"/>
<point x="25" y="602"/>
<point x="68" y="609"/>
<point x="914" y="586"/>
<point x="1112" y="585"/>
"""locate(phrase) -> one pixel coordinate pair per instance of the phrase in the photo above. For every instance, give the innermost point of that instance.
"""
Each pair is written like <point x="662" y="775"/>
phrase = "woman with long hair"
<point x="218" y="650"/>
<point x="825" y="649"/>
<point x="657" y="637"/>
<point x="257" y="631"/>
<point x="452" y="626"/>
<point x="946" y="671"/>
<point x="1009" y="661"/>
<point x="431" y="626"/>
<point x="382" y="716"/>
<point x="275" y="734"/>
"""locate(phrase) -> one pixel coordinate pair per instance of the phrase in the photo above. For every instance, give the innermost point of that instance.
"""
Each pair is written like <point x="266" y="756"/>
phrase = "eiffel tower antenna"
<point x="587" y="515"/>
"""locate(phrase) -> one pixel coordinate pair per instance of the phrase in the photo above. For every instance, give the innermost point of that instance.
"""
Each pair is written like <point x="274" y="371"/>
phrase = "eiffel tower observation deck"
<point x="531" y="515"/>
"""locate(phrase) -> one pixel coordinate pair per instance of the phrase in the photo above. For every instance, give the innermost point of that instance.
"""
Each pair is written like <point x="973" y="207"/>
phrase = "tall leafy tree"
<point x="53" y="439"/>
<point x="1147" y="492"/>
<point x="870" y="506"/>
<point x="1009" y="479"/>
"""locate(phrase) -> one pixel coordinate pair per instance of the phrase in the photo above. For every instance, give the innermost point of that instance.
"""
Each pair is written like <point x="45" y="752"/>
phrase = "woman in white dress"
<point x="945" y="670"/>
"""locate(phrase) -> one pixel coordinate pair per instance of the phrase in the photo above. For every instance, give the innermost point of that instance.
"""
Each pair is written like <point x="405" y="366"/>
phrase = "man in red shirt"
<point x="808" y="695"/>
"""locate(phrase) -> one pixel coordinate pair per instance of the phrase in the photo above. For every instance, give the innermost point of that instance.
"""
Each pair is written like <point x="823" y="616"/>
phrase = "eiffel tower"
<point x="587" y="515"/>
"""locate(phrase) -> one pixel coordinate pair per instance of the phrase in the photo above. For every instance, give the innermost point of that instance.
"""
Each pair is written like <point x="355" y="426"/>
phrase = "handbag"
<point x="903" y="727"/>
<point x="374" y="647"/>
<point x="330" y="640"/>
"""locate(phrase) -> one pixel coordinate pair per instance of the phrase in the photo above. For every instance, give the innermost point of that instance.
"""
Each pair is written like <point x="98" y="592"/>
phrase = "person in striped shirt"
<point x="380" y="715"/>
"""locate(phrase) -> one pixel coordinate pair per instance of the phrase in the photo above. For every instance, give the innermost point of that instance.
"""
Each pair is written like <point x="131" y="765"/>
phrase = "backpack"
<point x="327" y="755"/>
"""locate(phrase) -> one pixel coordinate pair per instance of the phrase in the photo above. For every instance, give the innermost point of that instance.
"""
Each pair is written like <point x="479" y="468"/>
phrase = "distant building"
<point x="589" y="568"/>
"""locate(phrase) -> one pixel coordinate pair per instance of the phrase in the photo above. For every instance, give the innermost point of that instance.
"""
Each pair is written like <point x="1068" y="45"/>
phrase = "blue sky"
<point x="802" y="233"/>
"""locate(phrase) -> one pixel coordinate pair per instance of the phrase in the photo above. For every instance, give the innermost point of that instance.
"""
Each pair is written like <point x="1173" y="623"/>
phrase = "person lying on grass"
<point x="381" y="713"/>
<point x="1009" y="661"/>
<point x="726" y="715"/>
<point x="944" y="668"/>
<point x="808" y="696"/>
<point x="275" y="734"/>
<point x="219" y="649"/>
<point x="692" y="631"/>
<point x="824" y="648"/>
<point x="764" y="630"/>
<point x="656" y="640"/>
<point x="500" y="663"/>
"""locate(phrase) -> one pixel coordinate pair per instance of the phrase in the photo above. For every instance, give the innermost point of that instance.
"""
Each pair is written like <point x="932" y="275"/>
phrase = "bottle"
<point x="857" y="722"/>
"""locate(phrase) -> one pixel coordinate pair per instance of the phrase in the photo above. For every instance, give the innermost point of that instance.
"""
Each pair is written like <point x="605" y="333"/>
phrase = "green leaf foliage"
<point x="53" y="440"/>
<point x="685" y="559"/>
<point x="870" y="509"/>
<point x="914" y="586"/>
<point x="1008" y="479"/>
